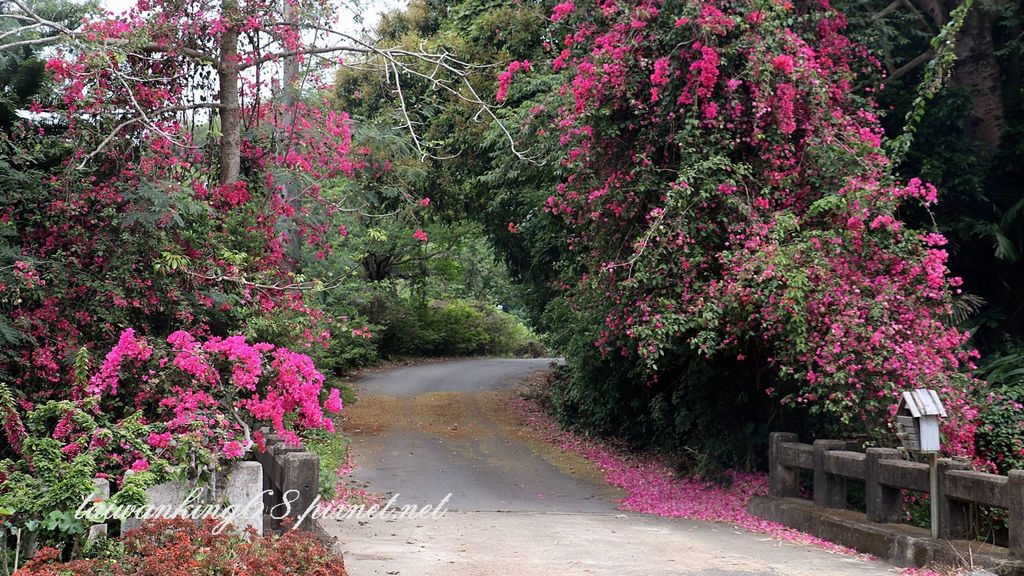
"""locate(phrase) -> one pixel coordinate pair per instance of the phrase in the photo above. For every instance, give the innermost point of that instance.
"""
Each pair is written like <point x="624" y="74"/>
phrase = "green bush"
<point x="350" y="348"/>
<point x="333" y="452"/>
<point x="407" y="326"/>
<point x="467" y="329"/>
<point x="699" y="414"/>
<point x="1000" y="434"/>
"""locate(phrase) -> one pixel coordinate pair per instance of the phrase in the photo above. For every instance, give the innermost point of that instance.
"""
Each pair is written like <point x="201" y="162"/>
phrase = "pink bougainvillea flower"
<point x="505" y="78"/>
<point x="159" y="440"/>
<point x="233" y="449"/>
<point x="420" y="235"/>
<point x="562" y="10"/>
<point x="783" y="63"/>
<point x="334" y="403"/>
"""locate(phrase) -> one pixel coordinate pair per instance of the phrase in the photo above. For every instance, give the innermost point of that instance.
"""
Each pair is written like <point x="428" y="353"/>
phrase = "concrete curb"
<point x="904" y="546"/>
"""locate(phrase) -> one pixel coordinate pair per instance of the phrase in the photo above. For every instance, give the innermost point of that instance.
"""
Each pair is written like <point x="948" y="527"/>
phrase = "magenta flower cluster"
<point x="210" y="393"/>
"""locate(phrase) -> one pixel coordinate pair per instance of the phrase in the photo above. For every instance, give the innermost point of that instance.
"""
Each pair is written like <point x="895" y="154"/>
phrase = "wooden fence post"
<point x="783" y="481"/>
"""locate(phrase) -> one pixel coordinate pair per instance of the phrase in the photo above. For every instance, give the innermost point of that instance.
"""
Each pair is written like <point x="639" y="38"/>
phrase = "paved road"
<point x="519" y="506"/>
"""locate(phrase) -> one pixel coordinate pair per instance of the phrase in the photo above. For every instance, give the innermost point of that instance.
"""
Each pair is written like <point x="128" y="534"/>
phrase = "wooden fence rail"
<point x="885" y="474"/>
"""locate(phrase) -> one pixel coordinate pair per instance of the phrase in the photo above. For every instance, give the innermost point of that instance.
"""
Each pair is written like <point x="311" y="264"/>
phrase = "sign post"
<point x="933" y="492"/>
<point x="917" y="421"/>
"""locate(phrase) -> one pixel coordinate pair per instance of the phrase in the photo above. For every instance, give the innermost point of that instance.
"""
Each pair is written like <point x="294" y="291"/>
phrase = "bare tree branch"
<point x="910" y="66"/>
<point x="137" y="119"/>
<point x="445" y="72"/>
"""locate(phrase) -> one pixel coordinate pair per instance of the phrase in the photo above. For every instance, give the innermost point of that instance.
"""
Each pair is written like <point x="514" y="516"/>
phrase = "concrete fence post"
<point x="243" y="488"/>
<point x="829" y="490"/>
<point x="783" y="481"/>
<point x="884" y="504"/>
<point x="954" y="516"/>
<point x="1016" y="521"/>
<point x="300" y="483"/>
<point x="100" y="493"/>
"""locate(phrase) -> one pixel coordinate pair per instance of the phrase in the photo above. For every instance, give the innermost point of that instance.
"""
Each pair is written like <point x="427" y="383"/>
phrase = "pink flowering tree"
<point x="192" y="145"/>
<point x="733" y="224"/>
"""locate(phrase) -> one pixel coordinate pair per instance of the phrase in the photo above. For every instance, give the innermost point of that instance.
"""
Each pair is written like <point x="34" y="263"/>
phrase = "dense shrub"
<point x="408" y="326"/>
<point x="1001" y="420"/>
<point x="180" y="547"/>
<point x="701" y="413"/>
<point x="63" y="446"/>
<point x="467" y="328"/>
<point x="733" y="227"/>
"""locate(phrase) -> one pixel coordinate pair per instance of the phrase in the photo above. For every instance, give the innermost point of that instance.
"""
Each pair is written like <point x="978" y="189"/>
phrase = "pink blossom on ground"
<point x="652" y="487"/>
<point x="344" y="494"/>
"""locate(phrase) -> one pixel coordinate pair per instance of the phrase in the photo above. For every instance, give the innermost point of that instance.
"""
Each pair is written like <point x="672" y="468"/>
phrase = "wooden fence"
<point x="886" y="474"/>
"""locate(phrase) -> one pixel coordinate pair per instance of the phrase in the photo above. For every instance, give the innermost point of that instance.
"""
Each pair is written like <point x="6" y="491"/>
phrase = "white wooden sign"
<point x="917" y="420"/>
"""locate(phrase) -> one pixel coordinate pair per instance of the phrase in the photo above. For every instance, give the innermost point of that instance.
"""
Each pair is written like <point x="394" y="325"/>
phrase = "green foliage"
<point x="22" y="76"/>
<point x="47" y="484"/>
<point x="466" y="328"/>
<point x="936" y="73"/>
<point x="702" y="414"/>
<point x="333" y="452"/>
<point x="1001" y="421"/>
<point x="410" y="327"/>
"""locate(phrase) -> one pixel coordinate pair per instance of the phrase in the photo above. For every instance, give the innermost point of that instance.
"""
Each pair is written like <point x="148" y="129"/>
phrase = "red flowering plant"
<point x="727" y="202"/>
<point x="160" y="412"/>
<point x="182" y="547"/>
<point x="195" y="142"/>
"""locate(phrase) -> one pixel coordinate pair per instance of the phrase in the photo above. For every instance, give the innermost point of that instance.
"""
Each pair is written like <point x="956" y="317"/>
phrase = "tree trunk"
<point x="377" y="266"/>
<point x="977" y="69"/>
<point x="230" y="109"/>
<point x="286" y="138"/>
<point x="1012" y="92"/>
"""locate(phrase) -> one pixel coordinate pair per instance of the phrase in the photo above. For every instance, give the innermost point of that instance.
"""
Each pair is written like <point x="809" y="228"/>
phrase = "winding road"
<point x="518" y="506"/>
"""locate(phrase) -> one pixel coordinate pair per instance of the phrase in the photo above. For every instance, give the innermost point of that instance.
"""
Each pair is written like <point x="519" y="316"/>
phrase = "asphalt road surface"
<point x="518" y="506"/>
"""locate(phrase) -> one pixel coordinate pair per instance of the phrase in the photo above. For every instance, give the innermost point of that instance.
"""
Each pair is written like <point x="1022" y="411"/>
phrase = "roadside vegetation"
<point x="728" y="218"/>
